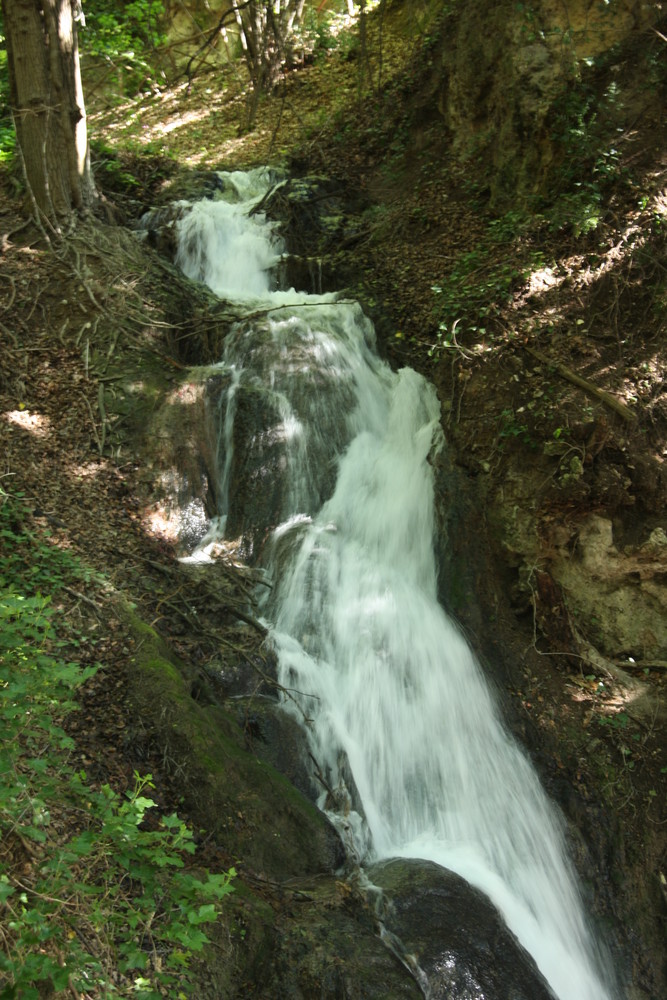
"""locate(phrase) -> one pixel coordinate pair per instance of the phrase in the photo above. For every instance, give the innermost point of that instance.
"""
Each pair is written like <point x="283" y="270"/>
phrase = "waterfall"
<point x="396" y="697"/>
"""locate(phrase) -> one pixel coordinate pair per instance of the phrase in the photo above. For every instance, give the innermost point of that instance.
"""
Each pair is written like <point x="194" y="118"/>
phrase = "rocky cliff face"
<point x="502" y="70"/>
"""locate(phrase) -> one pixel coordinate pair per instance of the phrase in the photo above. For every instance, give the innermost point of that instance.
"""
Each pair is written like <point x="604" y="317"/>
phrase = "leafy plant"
<point x="28" y="555"/>
<point x="589" y="160"/>
<point x="95" y="895"/>
<point x="511" y="427"/>
<point x="113" y="29"/>
<point x="108" y="162"/>
<point x="7" y="142"/>
<point x="124" y="35"/>
<point x="7" y="132"/>
<point x="483" y="279"/>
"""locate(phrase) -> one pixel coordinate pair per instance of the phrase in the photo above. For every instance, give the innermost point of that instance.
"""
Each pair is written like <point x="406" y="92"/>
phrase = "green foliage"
<point x="107" y="161"/>
<point x="124" y="34"/>
<point x="102" y="901"/>
<point x="512" y="427"/>
<point x="316" y="31"/>
<point x="483" y="279"/>
<point x="589" y="160"/>
<point x="114" y="28"/>
<point x="618" y="722"/>
<point x="7" y="142"/>
<point x="7" y="133"/>
<point x="28" y="556"/>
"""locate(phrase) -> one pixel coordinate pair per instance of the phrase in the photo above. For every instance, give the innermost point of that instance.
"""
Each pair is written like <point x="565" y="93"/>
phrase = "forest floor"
<point x="523" y="378"/>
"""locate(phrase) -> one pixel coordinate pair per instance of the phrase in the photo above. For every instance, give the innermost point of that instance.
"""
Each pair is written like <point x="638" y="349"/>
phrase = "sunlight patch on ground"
<point x="183" y="123"/>
<point x="86" y="470"/>
<point x="162" y="523"/>
<point x="28" y="420"/>
<point x="586" y="269"/>
<point x="543" y="280"/>
<point x="186" y="119"/>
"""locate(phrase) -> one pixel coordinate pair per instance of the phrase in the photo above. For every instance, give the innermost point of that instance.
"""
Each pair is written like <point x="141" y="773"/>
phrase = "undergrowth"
<point x="483" y="279"/>
<point x="93" y="899"/>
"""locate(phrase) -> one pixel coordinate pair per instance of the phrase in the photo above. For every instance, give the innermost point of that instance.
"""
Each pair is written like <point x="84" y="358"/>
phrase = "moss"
<point x="259" y="817"/>
<point x="164" y="669"/>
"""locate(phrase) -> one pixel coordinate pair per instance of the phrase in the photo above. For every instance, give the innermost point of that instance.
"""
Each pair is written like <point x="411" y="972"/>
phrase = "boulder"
<point x="452" y="935"/>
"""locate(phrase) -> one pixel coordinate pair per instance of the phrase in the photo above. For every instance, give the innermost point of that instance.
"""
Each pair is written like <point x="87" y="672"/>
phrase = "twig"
<point x="12" y="336"/>
<point x="288" y="692"/>
<point x="604" y="397"/>
<point x="213" y="34"/>
<point x="103" y="414"/>
<point x="9" y="278"/>
<point x="92" y="420"/>
<point x="320" y="777"/>
<point x="82" y="597"/>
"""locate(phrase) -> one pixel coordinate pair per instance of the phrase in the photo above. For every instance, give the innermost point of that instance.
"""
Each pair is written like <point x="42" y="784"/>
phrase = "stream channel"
<point x="402" y="723"/>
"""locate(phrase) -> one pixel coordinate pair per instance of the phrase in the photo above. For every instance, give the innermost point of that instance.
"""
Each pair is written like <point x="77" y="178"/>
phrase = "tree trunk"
<point x="47" y="104"/>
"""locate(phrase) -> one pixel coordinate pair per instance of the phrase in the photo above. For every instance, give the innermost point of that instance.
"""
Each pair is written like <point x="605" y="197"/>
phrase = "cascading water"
<point x="396" y="697"/>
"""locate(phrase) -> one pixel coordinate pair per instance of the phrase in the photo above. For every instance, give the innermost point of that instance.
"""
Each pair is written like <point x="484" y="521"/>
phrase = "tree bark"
<point x="47" y="104"/>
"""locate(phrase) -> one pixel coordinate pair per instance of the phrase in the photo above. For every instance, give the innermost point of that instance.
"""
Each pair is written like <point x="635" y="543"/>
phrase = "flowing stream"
<point x="396" y="697"/>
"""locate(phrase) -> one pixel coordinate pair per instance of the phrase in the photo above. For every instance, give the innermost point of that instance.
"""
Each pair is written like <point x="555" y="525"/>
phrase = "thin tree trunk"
<point x="380" y="37"/>
<point x="363" y="47"/>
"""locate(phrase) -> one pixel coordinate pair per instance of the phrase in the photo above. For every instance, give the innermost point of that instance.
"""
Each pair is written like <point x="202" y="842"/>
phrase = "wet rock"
<point x="454" y="935"/>
<point x="258" y="459"/>
<point x="306" y="274"/>
<point x="277" y="737"/>
<point x="194" y="185"/>
<point x="330" y="948"/>
<point x="158" y="228"/>
<point x="181" y="444"/>
<point x="316" y="222"/>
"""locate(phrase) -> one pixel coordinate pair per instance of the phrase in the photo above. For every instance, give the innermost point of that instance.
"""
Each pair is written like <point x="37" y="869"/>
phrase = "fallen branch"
<point x="92" y="420"/>
<point x="604" y="397"/>
<point x="288" y="692"/>
<point x="320" y="777"/>
<point x="82" y="597"/>
<point x="642" y="664"/>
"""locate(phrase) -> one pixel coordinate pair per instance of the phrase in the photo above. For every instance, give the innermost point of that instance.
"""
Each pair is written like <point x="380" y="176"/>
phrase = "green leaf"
<point x="205" y="914"/>
<point x="6" y="890"/>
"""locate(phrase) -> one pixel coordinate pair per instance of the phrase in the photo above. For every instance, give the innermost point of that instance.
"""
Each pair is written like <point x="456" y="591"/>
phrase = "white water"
<point x="398" y="698"/>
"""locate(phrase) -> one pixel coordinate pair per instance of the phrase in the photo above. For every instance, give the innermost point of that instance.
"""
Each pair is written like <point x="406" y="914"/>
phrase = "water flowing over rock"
<point x="453" y="934"/>
<point x="328" y="479"/>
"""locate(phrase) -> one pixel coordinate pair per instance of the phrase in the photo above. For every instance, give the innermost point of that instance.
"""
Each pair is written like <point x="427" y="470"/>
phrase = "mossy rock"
<point x="253" y="813"/>
<point x="330" y="946"/>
